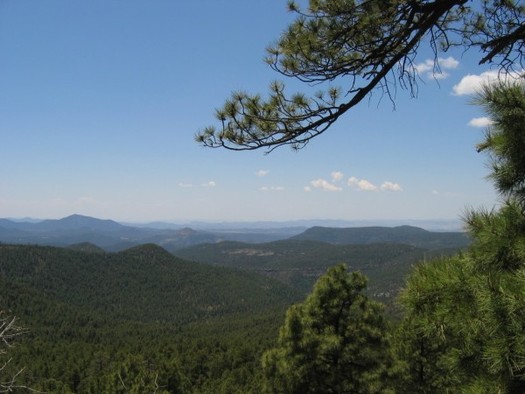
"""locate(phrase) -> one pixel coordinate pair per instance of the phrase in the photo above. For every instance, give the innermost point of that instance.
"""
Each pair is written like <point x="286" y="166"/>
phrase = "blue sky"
<point x="100" y="101"/>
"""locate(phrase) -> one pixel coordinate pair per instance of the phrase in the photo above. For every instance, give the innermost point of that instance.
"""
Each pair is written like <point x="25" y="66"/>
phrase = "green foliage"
<point x="499" y="242"/>
<point x="366" y="45"/>
<point x="139" y="319"/>
<point x="433" y="339"/>
<point x="145" y="283"/>
<point x="298" y="263"/>
<point x="336" y="341"/>
<point x="136" y="375"/>
<point x="505" y="140"/>
<point x="464" y="326"/>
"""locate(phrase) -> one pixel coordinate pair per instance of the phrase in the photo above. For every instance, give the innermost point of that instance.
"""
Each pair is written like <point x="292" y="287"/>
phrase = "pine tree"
<point x="334" y="342"/>
<point x="464" y="324"/>
<point x="351" y="49"/>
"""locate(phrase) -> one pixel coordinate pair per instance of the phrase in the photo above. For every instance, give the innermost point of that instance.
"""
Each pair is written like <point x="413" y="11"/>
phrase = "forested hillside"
<point x="299" y="263"/>
<point x="170" y="289"/>
<point x="232" y="317"/>
<point x="408" y="235"/>
<point x="92" y="315"/>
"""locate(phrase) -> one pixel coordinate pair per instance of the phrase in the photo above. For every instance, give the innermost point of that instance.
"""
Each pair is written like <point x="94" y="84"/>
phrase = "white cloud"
<point x="391" y="187"/>
<point x="209" y="184"/>
<point x="337" y="176"/>
<point x="262" y="172"/>
<point x="325" y="185"/>
<point x="185" y="185"/>
<point x="441" y="75"/>
<point x="448" y="63"/>
<point x="365" y="185"/>
<point x="424" y="67"/>
<point x="480" y="122"/>
<point x="471" y="84"/>
<point x="272" y="188"/>
<point x="362" y="184"/>
<point x="307" y="189"/>
<point x="435" y="70"/>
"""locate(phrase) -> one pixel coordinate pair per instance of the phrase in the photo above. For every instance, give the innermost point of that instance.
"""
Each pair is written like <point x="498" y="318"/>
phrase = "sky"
<point x="100" y="101"/>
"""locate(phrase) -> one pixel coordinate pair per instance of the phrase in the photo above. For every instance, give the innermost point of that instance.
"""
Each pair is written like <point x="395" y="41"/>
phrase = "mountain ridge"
<point x="113" y="236"/>
<point x="409" y="235"/>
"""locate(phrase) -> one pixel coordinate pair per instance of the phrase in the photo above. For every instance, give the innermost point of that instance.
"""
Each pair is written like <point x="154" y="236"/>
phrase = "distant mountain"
<point x="298" y="226"/>
<point x="70" y="230"/>
<point x="75" y="222"/>
<point x="114" y="237"/>
<point x="408" y="235"/>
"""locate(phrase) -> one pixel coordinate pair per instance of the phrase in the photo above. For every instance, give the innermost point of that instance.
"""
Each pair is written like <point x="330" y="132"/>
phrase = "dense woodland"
<point x="141" y="315"/>
<point x="93" y="317"/>
<point x="299" y="263"/>
<point x="143" y="320"/>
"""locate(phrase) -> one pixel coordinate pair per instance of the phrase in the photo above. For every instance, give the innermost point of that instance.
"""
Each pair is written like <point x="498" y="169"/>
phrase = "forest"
<point x="141" y="320"/>
<point x="135" y="321"/>
<point x="144" y="320"/>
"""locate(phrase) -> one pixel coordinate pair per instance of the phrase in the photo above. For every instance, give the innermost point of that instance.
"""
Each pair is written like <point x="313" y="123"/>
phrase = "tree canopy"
<point x="334" y="342"/>
<point x="464" y="321"/>
<point x="352" y="48"/>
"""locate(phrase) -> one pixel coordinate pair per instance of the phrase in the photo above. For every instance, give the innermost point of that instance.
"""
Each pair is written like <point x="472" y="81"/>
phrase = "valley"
<point x="192" y="312"/>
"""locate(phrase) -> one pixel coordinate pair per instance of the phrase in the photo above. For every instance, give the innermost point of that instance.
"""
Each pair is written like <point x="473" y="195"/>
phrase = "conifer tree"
<point x="334" y="342"/>
<point x="350" y="49"/>
<point x="464" y="327"/>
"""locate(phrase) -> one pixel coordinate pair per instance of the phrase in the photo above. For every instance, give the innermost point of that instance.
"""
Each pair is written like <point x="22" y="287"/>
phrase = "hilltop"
<point x="408" y="235"/>
<point x="298" y="263"/>
<point x="89" y="316"/>
<point x="113" y="237"/>
<point x="145" y="283"/>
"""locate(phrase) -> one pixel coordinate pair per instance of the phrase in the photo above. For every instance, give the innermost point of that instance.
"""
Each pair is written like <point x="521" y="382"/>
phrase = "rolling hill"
<point x="408" y="235"/>
<point x="145" y="283"/>
<point x="89" y="315"/>
<point x="113" y="237"/>
<point x="299" y="263"/>
<point x="192" y="324"/>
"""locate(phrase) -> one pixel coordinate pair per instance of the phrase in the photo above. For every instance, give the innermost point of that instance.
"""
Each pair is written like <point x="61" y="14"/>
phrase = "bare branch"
<point x="8" y="332"/>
